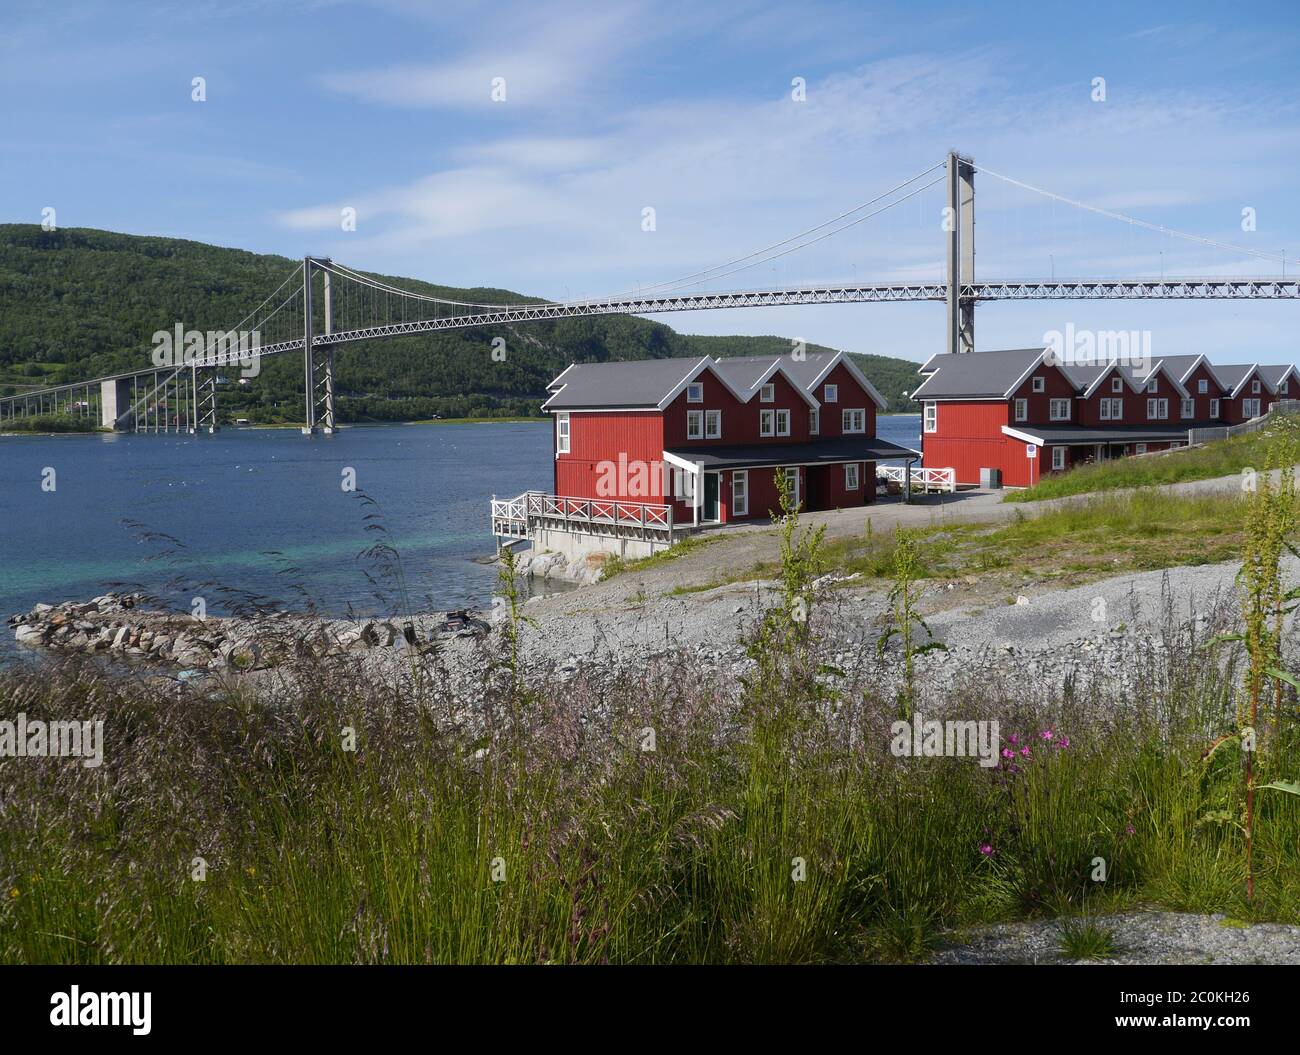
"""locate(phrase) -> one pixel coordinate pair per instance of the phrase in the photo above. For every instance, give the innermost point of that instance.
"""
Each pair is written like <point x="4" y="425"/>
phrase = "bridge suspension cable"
<point x="1135" y="221"/>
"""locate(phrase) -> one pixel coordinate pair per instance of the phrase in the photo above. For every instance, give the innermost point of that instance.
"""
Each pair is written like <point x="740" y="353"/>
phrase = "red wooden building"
<point x="992" y="410"/>
<point x="710" y="435"/>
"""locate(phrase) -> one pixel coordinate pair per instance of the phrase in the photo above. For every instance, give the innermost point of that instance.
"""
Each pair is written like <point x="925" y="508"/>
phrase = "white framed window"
<point x="1022" y="410"/>
<point x="1117" y="384"/>
<point x="1153" y="385"/>
<point x="695" y="392"/>
<point x="1187" y="408"/>
<point x="1254" y="387"/>
<point x="740" y="493"/>
<point x="1174" y="445"/>
<point x="1214" y="408"/>
<point x="1250" y="408"/>
<point x="562" y="433"/>
<point x="831" y="394"/>
<point x="684" y="485"/>
<point x="1202" y="387"/>
<point x="767" y="422"/>
<point x="1157" y="409"/>
<point x="853" y="420"/>
<point x="1040" y="384"/>
<point x="931" y="417"/>
<point x="814" y="421"/>
<point x="1059" y="410"/>
<point x="1139" y="448"/>
<point x="695" y="424"/>
<point x="1112" y="410"/>
<point x="767" y="394"/>
<point x="792" y="480"/>
<point x="713" y="424"/>
<point x="783" y="423"/>
<point x="1282" y="388"/>
<point x="1058" y="459"/>
<point x="851" y="476"/>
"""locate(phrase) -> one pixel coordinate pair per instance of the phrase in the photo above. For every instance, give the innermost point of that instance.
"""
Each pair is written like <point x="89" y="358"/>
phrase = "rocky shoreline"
<point x="120" y="626"/>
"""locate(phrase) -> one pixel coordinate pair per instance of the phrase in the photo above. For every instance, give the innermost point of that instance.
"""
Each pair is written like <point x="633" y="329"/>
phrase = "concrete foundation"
<point x="576" y="546"/>
<point x="115" y="404"/>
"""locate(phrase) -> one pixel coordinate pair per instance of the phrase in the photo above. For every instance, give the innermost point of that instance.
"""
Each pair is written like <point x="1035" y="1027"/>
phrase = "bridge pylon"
<point x="318" y="363"/>
<point x="959" y="223"/>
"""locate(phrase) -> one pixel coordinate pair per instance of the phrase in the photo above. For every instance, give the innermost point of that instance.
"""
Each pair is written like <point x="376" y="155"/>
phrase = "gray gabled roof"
<point x="975" y="375"/>
<point x="639" y="383"/>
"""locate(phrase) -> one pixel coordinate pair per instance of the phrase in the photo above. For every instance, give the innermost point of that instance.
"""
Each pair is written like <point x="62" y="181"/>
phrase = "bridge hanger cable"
<point x="804" y="245"/>
<point x="673" y="283"/>
<point x="345" y="272"/>
<point x="1169" y="231"/>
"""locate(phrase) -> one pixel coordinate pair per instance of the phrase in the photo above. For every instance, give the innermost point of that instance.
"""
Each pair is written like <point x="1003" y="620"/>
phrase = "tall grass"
<point x="661" y="814"/>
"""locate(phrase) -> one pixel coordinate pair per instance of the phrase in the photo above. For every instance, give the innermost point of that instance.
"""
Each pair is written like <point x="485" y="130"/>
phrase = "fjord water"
<point x="263" y="510"/>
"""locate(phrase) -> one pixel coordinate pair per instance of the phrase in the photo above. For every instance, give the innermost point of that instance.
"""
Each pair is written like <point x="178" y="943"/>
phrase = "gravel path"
<point x="1140" y="938"/>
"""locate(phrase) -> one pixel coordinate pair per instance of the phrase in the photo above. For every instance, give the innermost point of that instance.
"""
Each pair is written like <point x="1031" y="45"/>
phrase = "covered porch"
<point x="721" y="485"/>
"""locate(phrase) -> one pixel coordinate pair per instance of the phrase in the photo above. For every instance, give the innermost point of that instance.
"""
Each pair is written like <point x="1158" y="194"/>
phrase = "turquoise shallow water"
<point x="263" y="511"/>
<point x="260" y="510"/>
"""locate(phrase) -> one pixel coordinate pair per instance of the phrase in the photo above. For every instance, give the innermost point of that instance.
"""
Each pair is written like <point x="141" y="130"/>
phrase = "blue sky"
<point x="386" y="107"/>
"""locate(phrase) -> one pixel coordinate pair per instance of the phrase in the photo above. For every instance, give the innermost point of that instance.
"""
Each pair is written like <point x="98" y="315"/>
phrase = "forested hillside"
<point x="80" y="303"/>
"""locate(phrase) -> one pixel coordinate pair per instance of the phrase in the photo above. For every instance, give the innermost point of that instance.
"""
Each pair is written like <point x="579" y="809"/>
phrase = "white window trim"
<point x="715" y="433"/>
<point x="1040" y="384"/>
<point x="1202" y="387"/>
<point x="1058" y="459"/>
<point x="783" y="416"/>
<point x="930" y="416"/>
<point x="1139" y="448"/>
<point x="1254" y="388"/>
<point x="767" y="422"/>
<point x="695" y="392"/>
<point x="1157" y="409"/>
<point x="1021" y="411"/>
<point x="831" y="394"/>
<point x="740" y="505"/>
<point x="563" y="430"/>
<point x="695" y="424"/>
<point x="814" y="422"/>
<point x="767" y="394"/>
<point x="1153" y="385"/>
<point x="1117" y="384"/>
<point x="848" y="417"/>
<point x="1250" y="408"/>
<point x="1051" y="410"/>
<point x="1214" y="408"/>
<point x="851" y="480"/>
<point x="1187" y="408"/>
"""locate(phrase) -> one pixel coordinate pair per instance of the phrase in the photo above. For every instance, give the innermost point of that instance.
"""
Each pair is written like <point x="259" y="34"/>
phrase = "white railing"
<point x="515" y="517"/>
<point x="923" y="479"/>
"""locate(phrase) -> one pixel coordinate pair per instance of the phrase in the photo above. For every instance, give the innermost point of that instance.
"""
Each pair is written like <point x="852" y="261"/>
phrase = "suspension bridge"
<point x="323" y="305"/>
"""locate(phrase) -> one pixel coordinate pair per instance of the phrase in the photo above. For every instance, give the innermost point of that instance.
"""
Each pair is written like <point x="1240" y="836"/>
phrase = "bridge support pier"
<point x="960" y="219"/>
<point x="203" y="393"/>
<point x="115" y="403"/>
<point x="318" y="364"/>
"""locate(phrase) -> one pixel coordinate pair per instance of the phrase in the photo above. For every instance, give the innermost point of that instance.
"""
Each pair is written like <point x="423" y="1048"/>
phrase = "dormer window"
<point x="1254" y="388"/>
<point x="695" y="393"/>
<point x="1202" y="386"/>
<point x="831" y="393"/>
<point x="1117" y="384"/>
<point x="767" y="394"/>
<point x="1040" y="384"/>
<point x="1282" y="387"/>
<point x="1153" y="385"/>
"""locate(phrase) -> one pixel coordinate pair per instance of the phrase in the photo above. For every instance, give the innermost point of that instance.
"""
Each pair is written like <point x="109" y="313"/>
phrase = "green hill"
<point x="81" y="303"/>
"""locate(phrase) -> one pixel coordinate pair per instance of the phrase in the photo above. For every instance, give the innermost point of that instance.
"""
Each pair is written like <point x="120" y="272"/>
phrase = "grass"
<point x="1082" y="939"/>
<point x="615" y="565"/>
<point x="670" y="812"/>
<point x="1101" y="536"/>
<point x="1218" y="458"/>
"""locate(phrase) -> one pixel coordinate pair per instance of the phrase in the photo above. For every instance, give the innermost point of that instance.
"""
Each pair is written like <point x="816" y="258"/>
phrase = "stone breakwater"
<point x="118" y="626"/>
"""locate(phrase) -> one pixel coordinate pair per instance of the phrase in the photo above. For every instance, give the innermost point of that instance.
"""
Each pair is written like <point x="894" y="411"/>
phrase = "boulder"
<point x="29" y="635"/>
